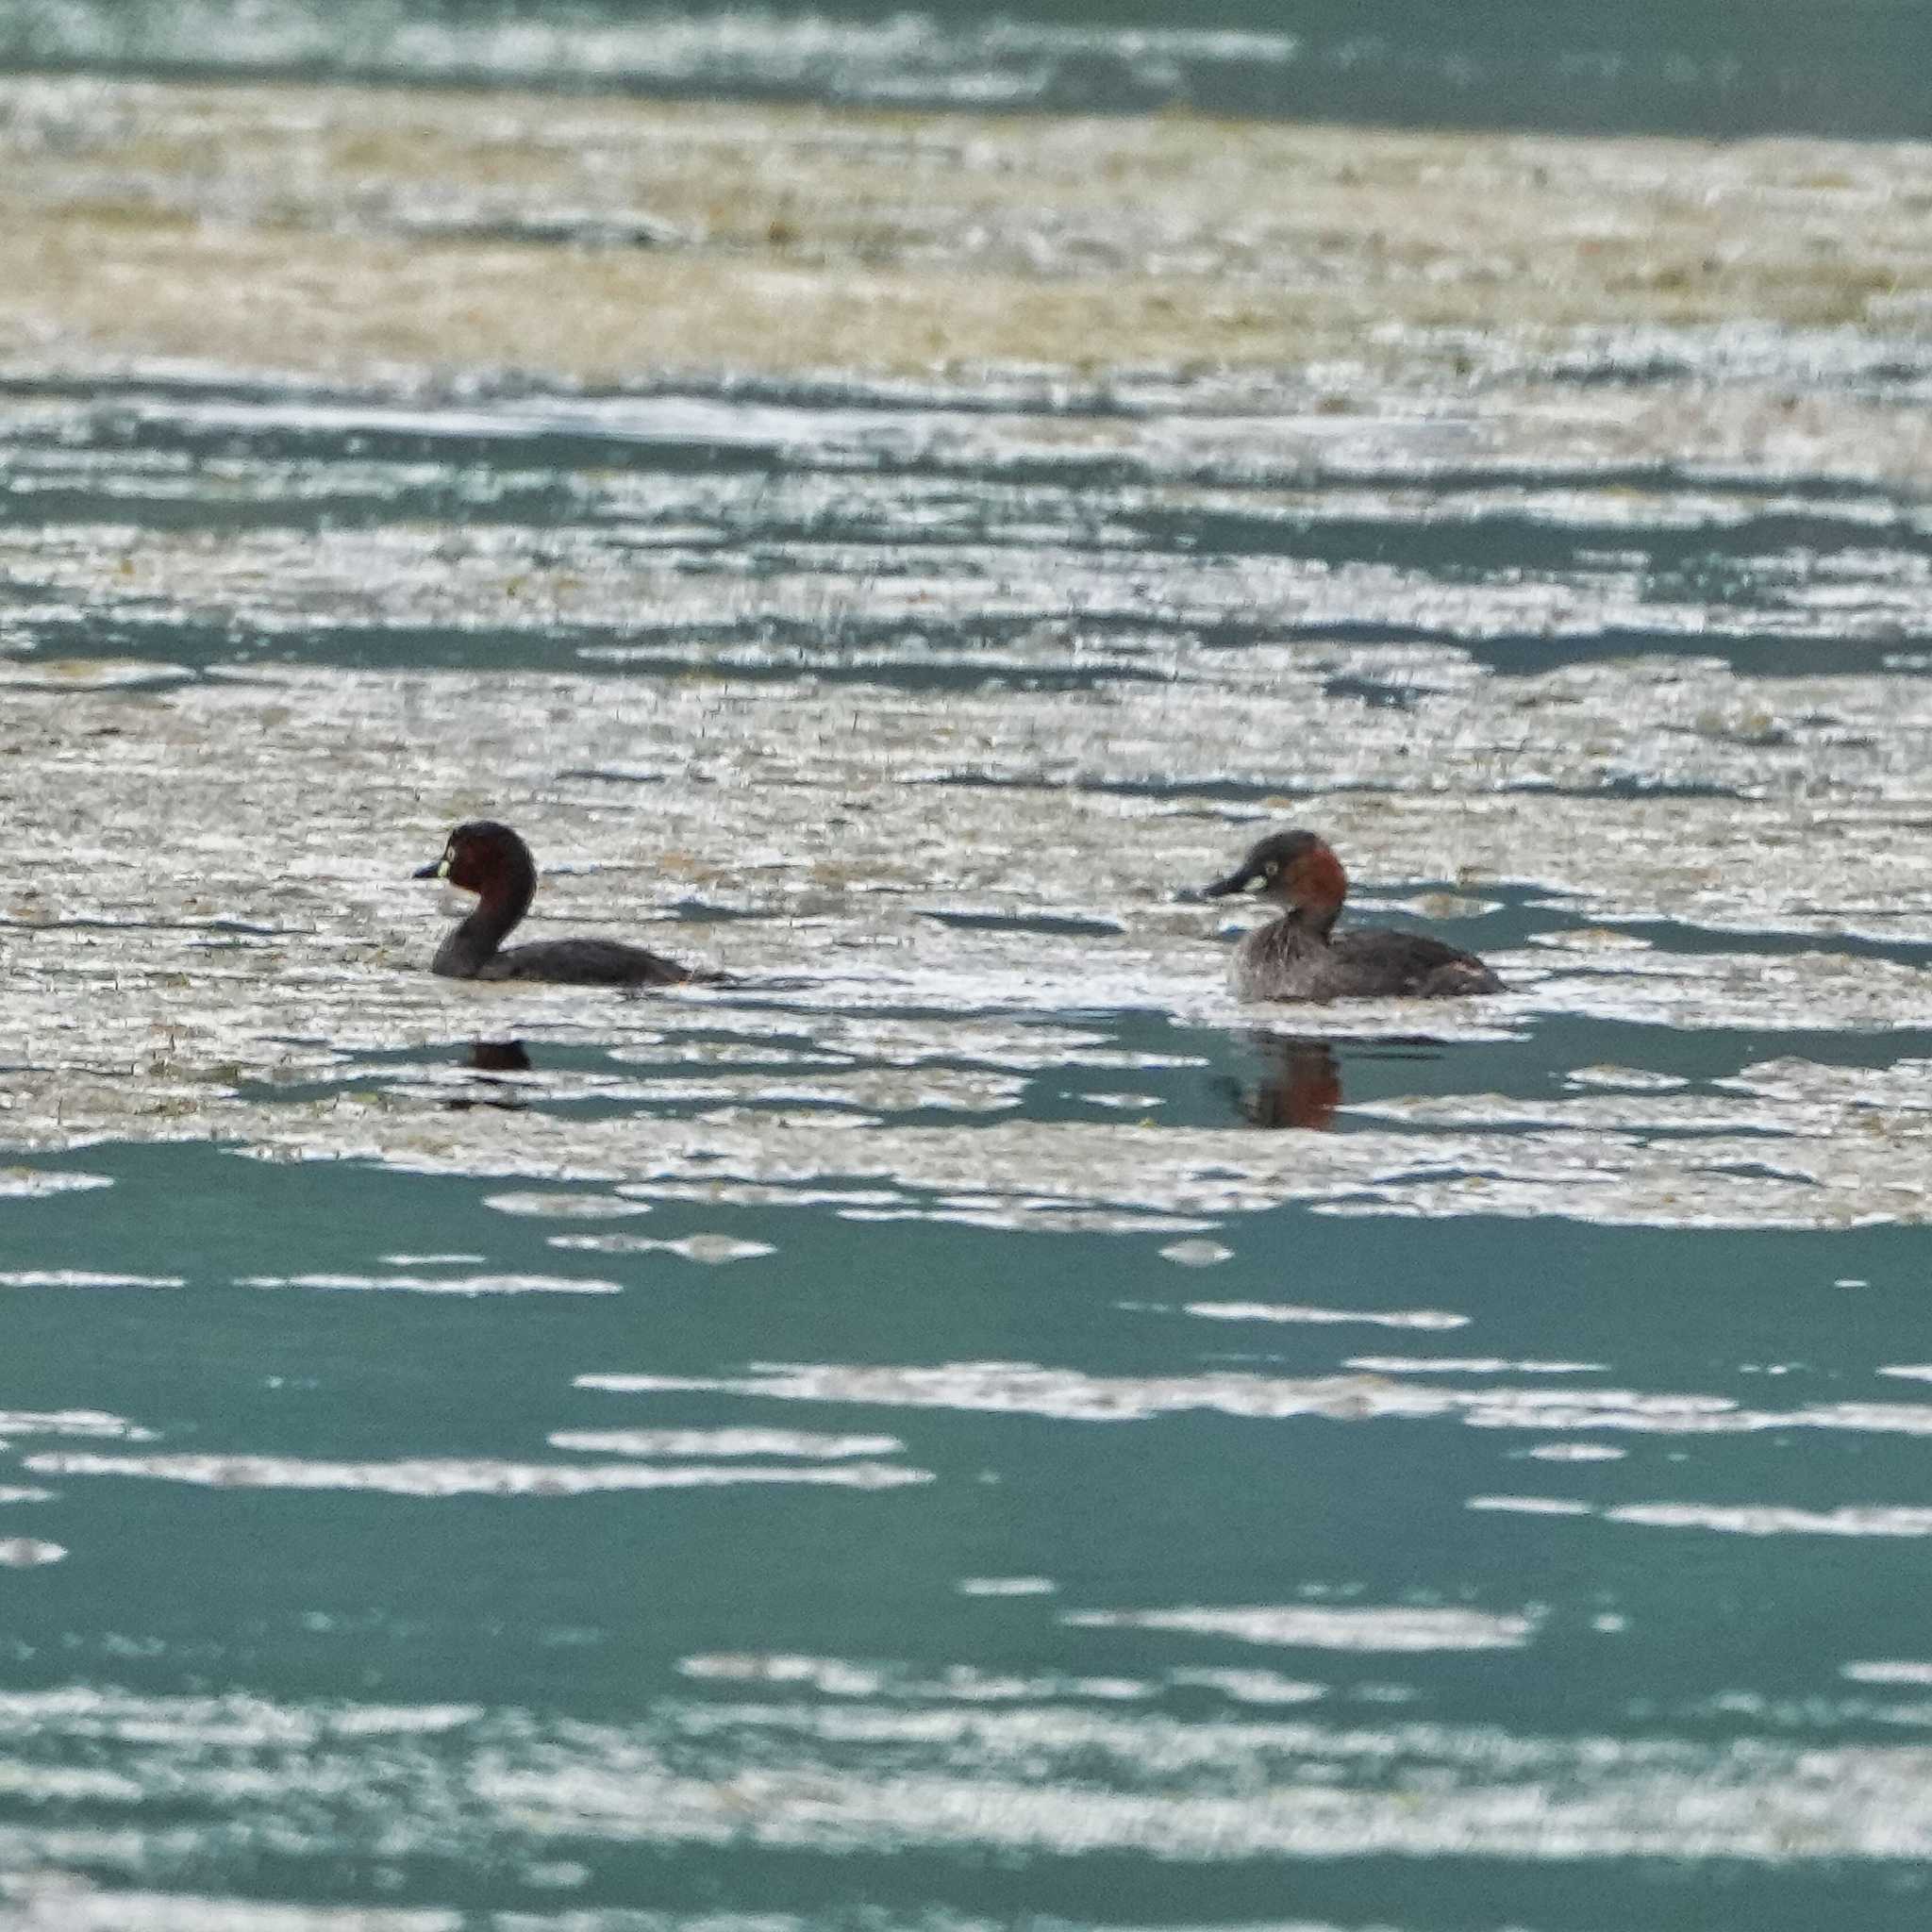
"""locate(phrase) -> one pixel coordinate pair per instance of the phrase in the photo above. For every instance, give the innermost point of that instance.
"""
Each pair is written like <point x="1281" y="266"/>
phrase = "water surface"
<point x="1638" y="66"/>
<point x="965" y="1424"/>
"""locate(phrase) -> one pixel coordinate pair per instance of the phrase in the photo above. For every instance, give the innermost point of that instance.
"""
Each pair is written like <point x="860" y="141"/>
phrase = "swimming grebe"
<point x="492" y="861"/>
<point x="1300" y="955"/>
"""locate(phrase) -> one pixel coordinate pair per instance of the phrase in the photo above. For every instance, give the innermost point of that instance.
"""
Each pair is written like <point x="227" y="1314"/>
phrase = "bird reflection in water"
<point x="490" y="1056"/>
<point x="1300" y="1084"/>
<point x="1300" y="1078"/>
<point x="499" y="1057"/>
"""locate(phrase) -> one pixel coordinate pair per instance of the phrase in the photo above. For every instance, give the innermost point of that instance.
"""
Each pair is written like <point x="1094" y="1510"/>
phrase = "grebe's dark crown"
<point x="1270" y="860"/>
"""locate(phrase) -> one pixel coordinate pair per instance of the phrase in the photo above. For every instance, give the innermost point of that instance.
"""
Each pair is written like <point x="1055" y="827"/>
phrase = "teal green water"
<point x="1686" y="67"/>
<point x="968" y="1426"/>
<point x="303" y="1648"/>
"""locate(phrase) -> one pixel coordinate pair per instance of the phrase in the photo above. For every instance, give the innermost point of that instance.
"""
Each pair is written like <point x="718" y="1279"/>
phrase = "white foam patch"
<point x="1917" y="1676"/>
<point x="1324" y="1627"/>
<point x="713" y="1249"/>
<point x="1465" y="1365"/>
<point x="83" y="1277"/>
<point x="45" y="1904"/>
<point x="1747" y="1519"/>
<point x="1530" y="1506"/>
<point x="1625" y="1080"/>
<point x="40" y="1183"/>
<point x="956" y="1684"/>
<point x="798" y="1443"/>
<point x="27" y="1553"/>
<point x="85" y="1422"/>
<point x="1772" y="1518"/>
<point x="1196" y="1254"/>
<point x="1287" y="1311"/>
<point x="1026" y="1388"/>
<point x="87" y="673"/>
<point x="1252" y="1687"/>
<point x="562" y="1207"/>
<point x="1034" y="1217"/>
<point x="831" y="1676"/>
<point x="431" y="1476"/>
<point x="1023" y="1389"/>
<point x="438" y="1284"/>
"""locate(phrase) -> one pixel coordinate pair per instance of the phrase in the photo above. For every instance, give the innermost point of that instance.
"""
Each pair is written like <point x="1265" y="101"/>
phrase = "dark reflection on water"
<point x="1300" y="1086"/>
<point x="500" y="1057"/>
<point x="1302" y="1080"/>
<point x="487" y="1058"/>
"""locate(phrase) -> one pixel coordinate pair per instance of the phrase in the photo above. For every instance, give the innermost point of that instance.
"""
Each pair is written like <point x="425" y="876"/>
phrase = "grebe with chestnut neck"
<point x="490" y="860"/>
<point x="1301" y="957"/>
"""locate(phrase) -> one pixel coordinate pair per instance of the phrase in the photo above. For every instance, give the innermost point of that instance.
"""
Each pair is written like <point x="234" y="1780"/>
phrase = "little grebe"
<point x="492" y="861"/>
<point x="1301" y="957"/>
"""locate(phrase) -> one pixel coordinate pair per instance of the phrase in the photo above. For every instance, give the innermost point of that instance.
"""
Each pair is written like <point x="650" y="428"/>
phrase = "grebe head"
<point x="1293" y="870"/>
<point x="484" y="857"/>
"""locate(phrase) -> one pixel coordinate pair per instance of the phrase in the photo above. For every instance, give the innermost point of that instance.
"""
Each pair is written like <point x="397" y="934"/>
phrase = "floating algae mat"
<point x="962" y="1424"/>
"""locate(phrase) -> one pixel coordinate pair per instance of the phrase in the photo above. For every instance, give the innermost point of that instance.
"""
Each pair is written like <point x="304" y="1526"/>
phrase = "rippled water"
<point x="965" y="1424"/>
<point x="1672" y="66"/>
